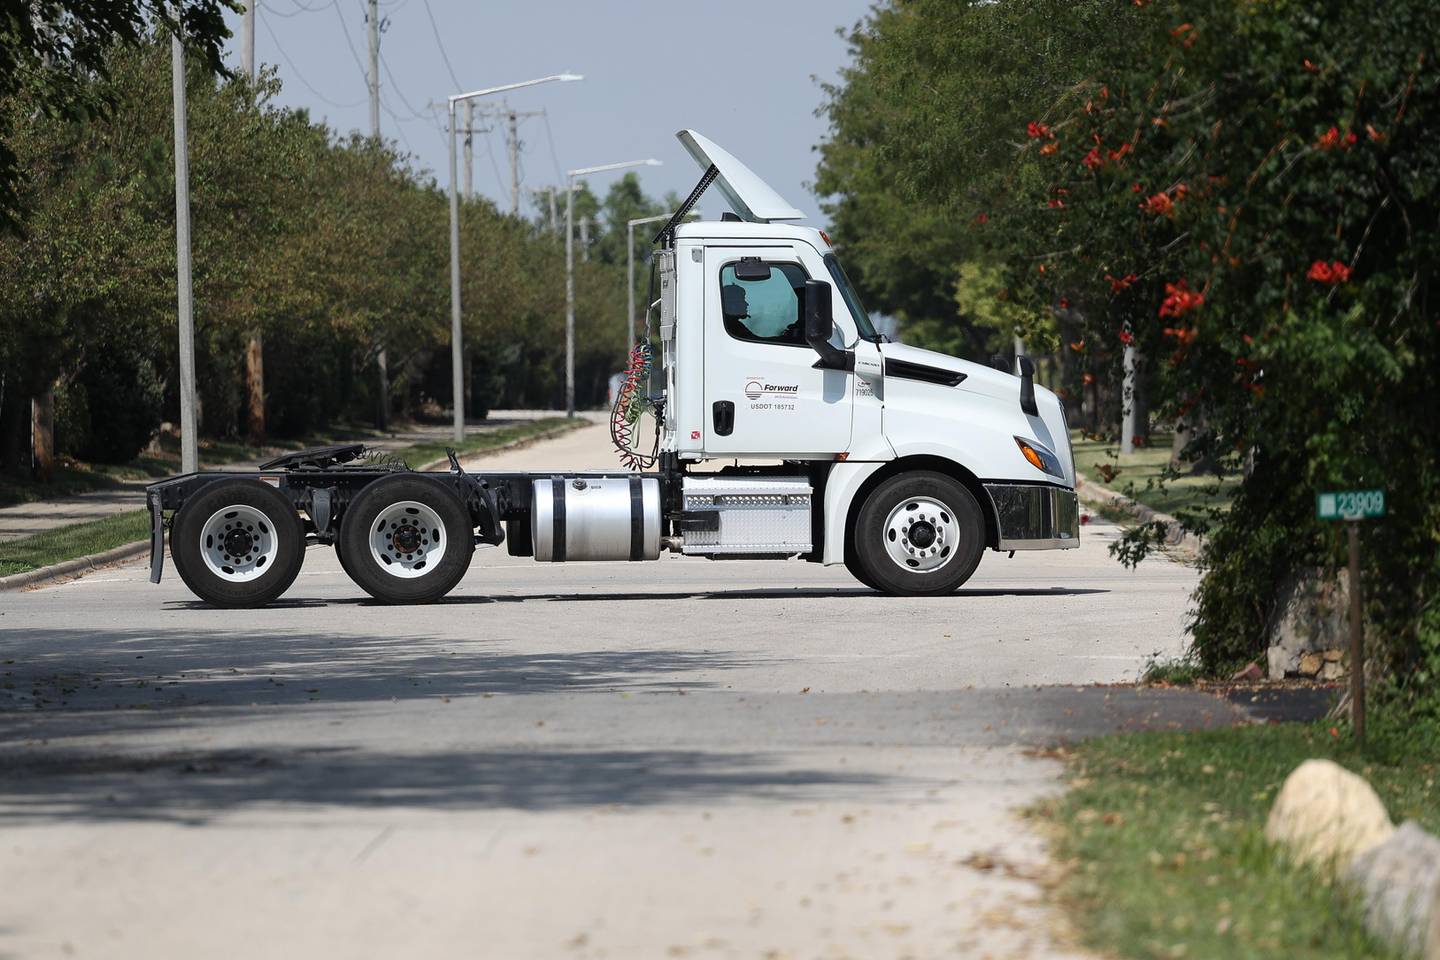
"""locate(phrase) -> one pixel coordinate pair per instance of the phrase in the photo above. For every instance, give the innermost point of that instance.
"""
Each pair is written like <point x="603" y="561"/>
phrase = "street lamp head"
<point x="567" y="77"/>
<point x="602" y="168"/>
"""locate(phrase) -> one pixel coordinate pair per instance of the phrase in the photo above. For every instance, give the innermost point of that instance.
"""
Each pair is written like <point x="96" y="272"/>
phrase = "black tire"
<point x="857" y="570"/>
<point x="340" y="555"/>
<point x="372" y="569"/>
<point x="262" y="522"/>
<point x="946" y="525"/>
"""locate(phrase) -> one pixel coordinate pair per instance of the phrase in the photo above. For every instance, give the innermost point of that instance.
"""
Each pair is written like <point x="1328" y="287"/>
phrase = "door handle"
<point x="722" y="413"/>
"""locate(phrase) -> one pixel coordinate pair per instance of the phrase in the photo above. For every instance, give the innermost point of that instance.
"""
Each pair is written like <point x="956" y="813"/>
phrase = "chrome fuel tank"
<point x="596" y="518"/>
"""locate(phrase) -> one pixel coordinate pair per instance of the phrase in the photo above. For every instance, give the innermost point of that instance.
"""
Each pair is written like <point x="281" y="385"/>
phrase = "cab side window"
<point x="765" y="311"/>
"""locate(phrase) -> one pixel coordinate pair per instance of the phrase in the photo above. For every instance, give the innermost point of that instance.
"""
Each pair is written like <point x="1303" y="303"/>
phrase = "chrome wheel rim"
<point x="238" y="543"/>
<point x="407" y="539"/>
<point x="921" y="534"/>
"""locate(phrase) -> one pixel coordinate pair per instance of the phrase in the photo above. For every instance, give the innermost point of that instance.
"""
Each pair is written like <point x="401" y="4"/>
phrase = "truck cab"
<point x="745" y="378"/>
<point x="786" y="427"/>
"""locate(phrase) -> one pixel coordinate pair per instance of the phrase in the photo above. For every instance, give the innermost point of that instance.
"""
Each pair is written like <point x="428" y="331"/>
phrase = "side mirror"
<point x="1027" y="385"/>
<point x="819" y="320"/>
<point x="820" y="327"/>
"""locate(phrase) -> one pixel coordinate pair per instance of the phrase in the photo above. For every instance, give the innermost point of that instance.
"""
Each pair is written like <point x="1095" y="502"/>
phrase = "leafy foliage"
<point x="328" y="246"/>
<point x="1244" y="192"/>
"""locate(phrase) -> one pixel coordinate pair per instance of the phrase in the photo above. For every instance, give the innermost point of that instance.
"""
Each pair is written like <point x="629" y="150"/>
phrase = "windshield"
<point x="852" y="299"/>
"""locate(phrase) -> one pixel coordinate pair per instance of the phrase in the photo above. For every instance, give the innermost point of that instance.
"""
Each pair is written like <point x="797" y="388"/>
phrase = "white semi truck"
<point x="903" y="464"/>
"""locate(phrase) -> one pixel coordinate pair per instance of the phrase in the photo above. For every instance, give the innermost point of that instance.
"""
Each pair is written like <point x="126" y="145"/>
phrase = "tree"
<point x="51" y="49"/>
<point x="1246" y="193"/>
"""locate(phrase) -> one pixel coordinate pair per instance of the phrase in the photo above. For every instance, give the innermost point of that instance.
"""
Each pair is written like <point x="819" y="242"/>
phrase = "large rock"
<point x="1310" y="618"/>
<point x="1399" y="883"/>
<point x="1326" y="816"/>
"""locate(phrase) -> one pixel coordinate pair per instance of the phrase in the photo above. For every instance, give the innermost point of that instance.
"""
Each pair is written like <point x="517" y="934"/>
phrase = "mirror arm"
<point x="832" y="357"/>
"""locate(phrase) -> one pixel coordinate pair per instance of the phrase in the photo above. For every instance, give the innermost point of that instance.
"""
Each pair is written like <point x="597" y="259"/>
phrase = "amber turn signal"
<point x="1032" y="456"/>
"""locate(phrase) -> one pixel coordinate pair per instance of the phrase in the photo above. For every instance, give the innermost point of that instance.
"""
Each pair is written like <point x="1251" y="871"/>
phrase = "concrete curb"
<point x="78" y="566"/>
<point x="1100" y="495"/>
<point x="83" y="565"/>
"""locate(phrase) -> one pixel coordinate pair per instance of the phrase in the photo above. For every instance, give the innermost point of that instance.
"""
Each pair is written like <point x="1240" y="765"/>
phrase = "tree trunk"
<point x="382" y="404"/>
<point x="1178" y="440"/>
<point x="42" y="435"/>
<point x="255" y="389"/>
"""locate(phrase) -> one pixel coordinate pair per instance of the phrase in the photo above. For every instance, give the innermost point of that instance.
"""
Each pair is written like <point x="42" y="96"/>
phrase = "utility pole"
<point x="514" y="164"/>
<point x="255" y="348"/>
<point x="247" y="39"/>
<point x="584" y="239"/>
<point x="554" y="225"/>
<point x="469" y="186"/>
<point x="372" y="18"/>
<point x="189" y="450"/>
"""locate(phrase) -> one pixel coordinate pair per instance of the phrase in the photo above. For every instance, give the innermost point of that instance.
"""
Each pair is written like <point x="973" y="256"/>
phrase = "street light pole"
<point x="457" y="381"/>
<point x="570" y="266"/>
<point x="189" y="449"/>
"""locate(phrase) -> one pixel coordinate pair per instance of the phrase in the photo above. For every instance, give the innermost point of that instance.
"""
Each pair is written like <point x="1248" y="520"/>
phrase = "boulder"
<point x="1332" y="670"/>
<point x="1325" y="816"/>
<point x="1310" y="618"/>
<point x="1398" y="882"/>
<point x="1310" y="664"/>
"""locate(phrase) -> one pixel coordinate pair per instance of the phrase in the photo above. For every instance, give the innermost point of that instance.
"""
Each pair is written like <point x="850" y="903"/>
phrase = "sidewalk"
<point x="26" y="519"/>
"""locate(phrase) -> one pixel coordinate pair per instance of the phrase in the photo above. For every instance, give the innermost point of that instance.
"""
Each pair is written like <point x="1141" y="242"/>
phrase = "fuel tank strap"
<point x="637" y="518"/>
<point x="557" y="491"/>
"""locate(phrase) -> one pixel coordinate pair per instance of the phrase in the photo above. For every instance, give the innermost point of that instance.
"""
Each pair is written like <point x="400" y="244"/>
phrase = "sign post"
<point x="1352" y="506"/>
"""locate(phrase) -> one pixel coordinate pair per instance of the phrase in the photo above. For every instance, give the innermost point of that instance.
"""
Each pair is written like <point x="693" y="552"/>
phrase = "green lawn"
<point x="422" y="453"/>
<point x="72" y="476"/>
<point x="1164" y="834"/>
<point x="85" y="539"/>
<point x="1144" y="476"/>
<point x="74" y="540"/>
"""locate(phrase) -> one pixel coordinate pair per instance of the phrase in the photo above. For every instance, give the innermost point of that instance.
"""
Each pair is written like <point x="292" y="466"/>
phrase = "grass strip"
<point x="1164" y="835"/>
<point x="1142" y="475"/>
<point x="84" y="539"/>
<point x="419" y="454"/>
<point x="72" y="541"/>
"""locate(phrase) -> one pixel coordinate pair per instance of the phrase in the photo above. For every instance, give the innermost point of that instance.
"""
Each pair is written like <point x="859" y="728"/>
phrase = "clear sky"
<point x="745" y="73"/>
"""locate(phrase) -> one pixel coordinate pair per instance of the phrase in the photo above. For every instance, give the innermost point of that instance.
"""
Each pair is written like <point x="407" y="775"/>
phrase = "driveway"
<point x="678" y="759"/>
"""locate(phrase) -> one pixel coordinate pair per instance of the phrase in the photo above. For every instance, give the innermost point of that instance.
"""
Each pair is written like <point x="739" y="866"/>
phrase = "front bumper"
<point x="1034" y="517"/>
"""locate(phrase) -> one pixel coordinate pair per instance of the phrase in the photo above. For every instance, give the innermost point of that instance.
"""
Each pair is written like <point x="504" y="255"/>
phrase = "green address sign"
<point x="1350" y="504"/>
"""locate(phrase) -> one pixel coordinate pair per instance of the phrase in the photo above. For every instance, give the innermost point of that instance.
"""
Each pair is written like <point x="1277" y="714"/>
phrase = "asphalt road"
<point x="679" y="759"/>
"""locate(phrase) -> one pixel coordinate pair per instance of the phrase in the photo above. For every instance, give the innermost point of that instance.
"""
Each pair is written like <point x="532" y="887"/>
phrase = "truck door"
<point x="763" y="395"/>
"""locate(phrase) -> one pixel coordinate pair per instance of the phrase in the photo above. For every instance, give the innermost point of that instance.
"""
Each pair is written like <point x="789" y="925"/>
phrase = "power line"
<point x="296" y="70"/>
<point x="443" y="55"/>
<point x="346" y="32"/>
<point x="550" y="139"/>
<point x="395" y="86"/>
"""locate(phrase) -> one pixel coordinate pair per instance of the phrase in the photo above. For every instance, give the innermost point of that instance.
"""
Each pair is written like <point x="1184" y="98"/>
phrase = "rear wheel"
<point x="406" y="539"/>
<point x="238" y="543"/>
<point x="919" y="534"/>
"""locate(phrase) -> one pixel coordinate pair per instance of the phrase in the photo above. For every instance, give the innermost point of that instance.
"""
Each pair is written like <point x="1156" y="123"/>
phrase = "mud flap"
<point x="157" y="536"/>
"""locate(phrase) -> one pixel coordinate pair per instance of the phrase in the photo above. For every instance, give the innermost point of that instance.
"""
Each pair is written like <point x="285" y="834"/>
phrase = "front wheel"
<point x="406" y="539"/>
<point x="238" y="543"/>
<point x="919" y="534"/>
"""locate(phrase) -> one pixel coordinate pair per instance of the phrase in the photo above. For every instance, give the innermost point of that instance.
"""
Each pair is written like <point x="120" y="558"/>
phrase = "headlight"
<point x="1040" y="458"/>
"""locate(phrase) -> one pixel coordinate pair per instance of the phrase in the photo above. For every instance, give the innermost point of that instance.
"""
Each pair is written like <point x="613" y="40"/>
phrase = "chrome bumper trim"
<point x="1034" y="517"/>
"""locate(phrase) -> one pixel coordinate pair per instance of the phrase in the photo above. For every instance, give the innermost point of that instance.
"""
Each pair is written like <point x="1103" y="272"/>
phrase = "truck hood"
<point x="748" y="195"/>
<point x="979" y="378"/>
<point x="999" y="413"/>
